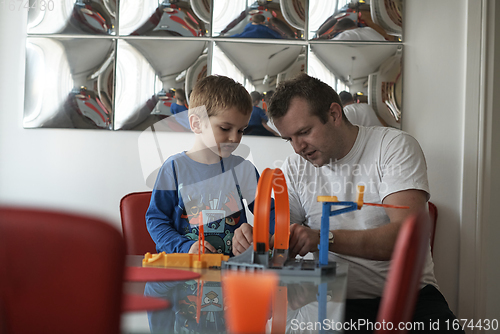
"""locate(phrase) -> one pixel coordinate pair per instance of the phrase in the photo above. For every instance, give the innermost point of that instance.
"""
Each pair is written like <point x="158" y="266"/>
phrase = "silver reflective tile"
<point x="69" y="83"/>
<point x="115" y="65"/>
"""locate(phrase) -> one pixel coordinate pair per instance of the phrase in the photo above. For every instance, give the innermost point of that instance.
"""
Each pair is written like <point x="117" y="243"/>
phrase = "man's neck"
<point x="351" y="135"/>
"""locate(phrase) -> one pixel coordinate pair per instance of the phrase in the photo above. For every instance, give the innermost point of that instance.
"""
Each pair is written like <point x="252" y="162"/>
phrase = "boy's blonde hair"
<point x="218" y="93"/>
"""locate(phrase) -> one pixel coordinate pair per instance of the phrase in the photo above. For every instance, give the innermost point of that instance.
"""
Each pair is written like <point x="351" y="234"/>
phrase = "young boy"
<point x="206" y="183"/>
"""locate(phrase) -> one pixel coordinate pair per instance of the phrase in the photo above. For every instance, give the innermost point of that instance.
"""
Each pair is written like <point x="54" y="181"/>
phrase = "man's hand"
<point x="243" y="237"/>
<point x="302" y="240"/>
<point x="208" y="248"/>
<point x="378" y="243"/>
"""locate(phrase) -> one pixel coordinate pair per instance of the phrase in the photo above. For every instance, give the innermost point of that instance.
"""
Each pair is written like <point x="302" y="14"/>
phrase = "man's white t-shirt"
<point x="385" y="161"/>
<point x="359" y="34"/>
<point x="361" y="114"/>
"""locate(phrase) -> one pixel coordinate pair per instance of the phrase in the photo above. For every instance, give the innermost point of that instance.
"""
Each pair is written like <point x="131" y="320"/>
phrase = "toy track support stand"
<point x="328" y="201"/>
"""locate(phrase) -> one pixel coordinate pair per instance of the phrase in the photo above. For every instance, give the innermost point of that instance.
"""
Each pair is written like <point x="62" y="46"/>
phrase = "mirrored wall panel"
<point x="371" y="72"/>
<point x="126" y="65"/>
<point x="356" y="20"/>
<point x="284" y="19"/>
<point x="150" y="76"/>
<point x="69" y="83"/>
<point x="185" y="18"/>
<point x="87" y="17"/>
<point x="260" y="67"/>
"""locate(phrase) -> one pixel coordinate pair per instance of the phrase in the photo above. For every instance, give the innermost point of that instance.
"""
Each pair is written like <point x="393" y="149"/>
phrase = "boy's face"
<point x="224" y="131"/>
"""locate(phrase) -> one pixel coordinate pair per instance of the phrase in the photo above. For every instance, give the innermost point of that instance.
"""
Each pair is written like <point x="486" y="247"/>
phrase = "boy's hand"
<point x="208" y="248"/>
<point x="242" y="239"/>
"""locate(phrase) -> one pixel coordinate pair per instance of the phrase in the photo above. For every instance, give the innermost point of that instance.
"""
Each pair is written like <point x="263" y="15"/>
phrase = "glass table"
<point x="301" y="304"/>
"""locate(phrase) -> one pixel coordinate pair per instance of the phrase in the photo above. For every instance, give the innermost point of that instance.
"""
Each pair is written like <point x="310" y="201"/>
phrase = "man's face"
<point x="317" y="142"/>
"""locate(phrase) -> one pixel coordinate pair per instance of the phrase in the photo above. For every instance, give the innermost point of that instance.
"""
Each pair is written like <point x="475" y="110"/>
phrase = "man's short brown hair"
<point x="318" y="95"/>
<point x="218" y="93"/>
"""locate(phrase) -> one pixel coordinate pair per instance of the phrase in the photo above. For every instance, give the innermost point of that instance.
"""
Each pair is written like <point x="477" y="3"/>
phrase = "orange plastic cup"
<point x="248" y="299"/>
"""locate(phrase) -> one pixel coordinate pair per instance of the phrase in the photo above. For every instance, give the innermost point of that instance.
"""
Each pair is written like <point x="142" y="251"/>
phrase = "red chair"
<point x="59" y="273"/>
<point x="433" y="212"/>
<point x="403" y="281"/>
<point x="133" y="209"/>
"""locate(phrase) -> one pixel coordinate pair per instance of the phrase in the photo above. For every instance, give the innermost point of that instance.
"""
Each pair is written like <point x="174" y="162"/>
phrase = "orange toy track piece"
<point x="388" y="206"/>
<point x="271" y="179"/>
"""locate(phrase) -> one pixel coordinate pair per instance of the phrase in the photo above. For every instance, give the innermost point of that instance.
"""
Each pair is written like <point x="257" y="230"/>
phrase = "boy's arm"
<point x="160" y="221"/>
<point x="243" y="236"/>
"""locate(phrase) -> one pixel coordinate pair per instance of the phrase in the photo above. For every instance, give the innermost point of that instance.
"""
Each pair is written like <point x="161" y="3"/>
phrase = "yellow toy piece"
<point x="183" y="260"/>
<point x="327" y="199"/>
<point x="359" y="198"/>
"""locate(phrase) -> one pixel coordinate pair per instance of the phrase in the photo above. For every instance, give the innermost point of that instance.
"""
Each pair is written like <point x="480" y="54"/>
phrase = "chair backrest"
<point x="59" y="273"/>
<point x="433" y="213"/>
<point x="403" y="281"/>
<point x="133" y="209"/>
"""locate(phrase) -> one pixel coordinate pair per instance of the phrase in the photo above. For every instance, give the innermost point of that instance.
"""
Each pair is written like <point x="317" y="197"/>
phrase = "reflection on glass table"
<point x="260" y="19"/>
<point x="198" y="305"/>
<point x="355" y="20"/>
<point x="182" y="18"/>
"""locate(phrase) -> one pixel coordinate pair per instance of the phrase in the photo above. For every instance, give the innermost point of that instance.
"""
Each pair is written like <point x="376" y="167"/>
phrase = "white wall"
<point x="450" y="100"/>
<point x="433" y="111"/>
<point x="76" y="170"/>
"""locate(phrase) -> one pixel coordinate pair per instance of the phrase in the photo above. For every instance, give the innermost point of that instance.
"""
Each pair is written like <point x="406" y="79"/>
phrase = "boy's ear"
<point x="195" y="123"/>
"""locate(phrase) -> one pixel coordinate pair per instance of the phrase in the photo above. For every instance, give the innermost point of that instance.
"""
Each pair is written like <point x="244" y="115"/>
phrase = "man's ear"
<point x="336" y="111"/>
<point x="195" y="123"/>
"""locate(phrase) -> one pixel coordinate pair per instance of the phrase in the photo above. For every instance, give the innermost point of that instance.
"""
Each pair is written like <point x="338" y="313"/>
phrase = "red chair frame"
<point x="133" y="209"/>
<point x="403" y="281"/>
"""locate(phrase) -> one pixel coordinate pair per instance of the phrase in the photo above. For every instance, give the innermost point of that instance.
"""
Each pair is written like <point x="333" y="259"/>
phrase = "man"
<point x="257" y="29"/>
<point x="347" y="29"/>
<point x="359" y="113"/>
<point x="333" y="157"/>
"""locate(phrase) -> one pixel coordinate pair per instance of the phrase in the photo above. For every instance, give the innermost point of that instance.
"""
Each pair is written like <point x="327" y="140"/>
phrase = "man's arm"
<point x="373" y="244"/>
